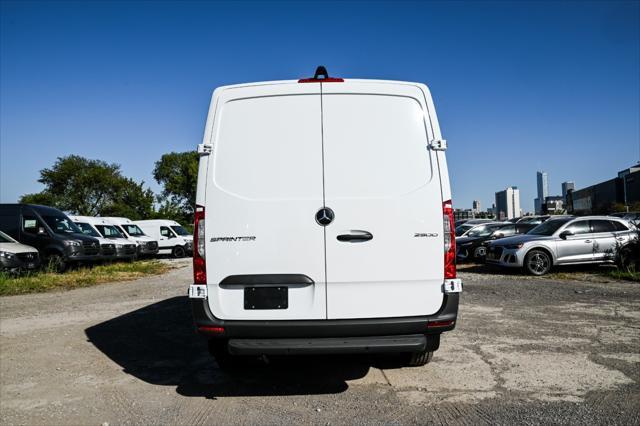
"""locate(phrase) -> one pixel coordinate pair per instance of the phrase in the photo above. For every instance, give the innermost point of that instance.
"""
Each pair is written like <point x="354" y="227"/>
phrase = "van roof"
<point x="351" y="80"/>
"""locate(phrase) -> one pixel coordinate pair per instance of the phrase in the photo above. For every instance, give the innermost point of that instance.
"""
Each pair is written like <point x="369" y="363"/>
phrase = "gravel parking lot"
<point x="533" y="350"/>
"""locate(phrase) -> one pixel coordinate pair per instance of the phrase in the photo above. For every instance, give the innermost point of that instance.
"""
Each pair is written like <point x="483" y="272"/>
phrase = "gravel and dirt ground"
<point x="526" y="350"/>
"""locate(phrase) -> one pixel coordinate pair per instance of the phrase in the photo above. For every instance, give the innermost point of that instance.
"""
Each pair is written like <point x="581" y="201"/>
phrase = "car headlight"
<point x="7" y="255"/>
<point x="72" y="243"/>
<point x="515" y="246"/>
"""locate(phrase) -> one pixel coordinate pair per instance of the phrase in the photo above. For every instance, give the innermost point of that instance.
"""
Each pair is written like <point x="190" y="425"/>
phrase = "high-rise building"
<point x="476" y="206"/>
<point x="542" y="180"/>
<point x="566" y="186"/>
<point x="508" y="203"/>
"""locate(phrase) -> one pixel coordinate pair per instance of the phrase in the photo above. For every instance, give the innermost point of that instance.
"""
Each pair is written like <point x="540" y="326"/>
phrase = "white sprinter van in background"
<point x="104" y="231"/>
<point x="147" y="246"/>
<point x="172" y="237"/>
<point x="323" y="221"/>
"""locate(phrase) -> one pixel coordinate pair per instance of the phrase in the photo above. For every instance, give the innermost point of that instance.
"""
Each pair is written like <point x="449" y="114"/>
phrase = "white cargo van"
<point x="146" y="246"/>
<point x="323" y="221"/>
<point x="107" y="234"/>
<point x="172" y="237"/>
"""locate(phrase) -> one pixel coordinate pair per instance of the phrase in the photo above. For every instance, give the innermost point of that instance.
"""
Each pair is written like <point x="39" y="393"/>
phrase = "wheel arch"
<point x="541" y="248"/>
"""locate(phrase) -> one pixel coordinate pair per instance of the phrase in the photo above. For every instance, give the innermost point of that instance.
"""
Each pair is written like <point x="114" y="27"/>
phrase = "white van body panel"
<point x="269" y="199"/>
<point x="152" y="229"/>
<point x="281" y="151"/>
<point x="381" y="177"/>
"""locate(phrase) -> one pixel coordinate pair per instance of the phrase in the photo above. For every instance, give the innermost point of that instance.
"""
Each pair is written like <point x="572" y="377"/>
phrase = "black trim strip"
<point x="281" y="279"/>
<point x="326" y="328"/>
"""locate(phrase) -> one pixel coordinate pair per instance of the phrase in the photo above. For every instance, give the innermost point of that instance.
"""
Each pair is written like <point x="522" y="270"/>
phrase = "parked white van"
<point x="147" y="246"/>
<point x="323" y="221"/>
<point x="172" y="237"/>
<point x="107" y="234"/>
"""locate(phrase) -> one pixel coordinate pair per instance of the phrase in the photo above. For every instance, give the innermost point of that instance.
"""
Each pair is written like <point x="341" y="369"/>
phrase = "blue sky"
<point x="519" y="86"/>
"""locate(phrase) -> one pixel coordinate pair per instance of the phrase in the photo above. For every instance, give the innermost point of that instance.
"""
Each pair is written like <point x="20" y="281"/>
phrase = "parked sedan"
<point x="16" y="257"/>
<point x="472" y="246"/>
<point x="563" y="241"/>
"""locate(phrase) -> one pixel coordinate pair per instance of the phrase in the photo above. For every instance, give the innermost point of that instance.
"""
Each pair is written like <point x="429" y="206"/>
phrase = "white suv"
<point x="324" y="221"/>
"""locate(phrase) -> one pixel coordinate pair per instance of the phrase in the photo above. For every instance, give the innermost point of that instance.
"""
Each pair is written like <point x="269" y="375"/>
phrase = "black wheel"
<point x="537" y="262"/>
<point x="418" y="359"/>
<point x="479" y="253"/>
<point x="178" y="251"/>
<point x="226" y="361"/>
<point x="56" y="263"/>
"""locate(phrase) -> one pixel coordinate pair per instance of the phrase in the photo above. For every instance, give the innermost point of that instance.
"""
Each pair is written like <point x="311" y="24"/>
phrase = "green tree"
<point x="91" y="187"/>
<point x="177" y="172"/>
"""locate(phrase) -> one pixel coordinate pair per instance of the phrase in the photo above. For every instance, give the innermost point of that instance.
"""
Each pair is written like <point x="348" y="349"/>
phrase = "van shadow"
<point x="158" y="344"/>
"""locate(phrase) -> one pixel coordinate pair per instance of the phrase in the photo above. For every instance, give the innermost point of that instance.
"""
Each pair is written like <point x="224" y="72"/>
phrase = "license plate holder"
<point x="266" y="297"/>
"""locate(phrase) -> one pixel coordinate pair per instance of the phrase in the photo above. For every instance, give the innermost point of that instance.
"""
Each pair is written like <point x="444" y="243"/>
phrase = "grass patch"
<point x="623" y="274"/>
<point x="82" y="277"/>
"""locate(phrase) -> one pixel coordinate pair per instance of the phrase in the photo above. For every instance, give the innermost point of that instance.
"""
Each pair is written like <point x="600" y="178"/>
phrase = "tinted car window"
<point x="579" y="227"/>
<point x="601" y="226"/>
<point x="619" y="226"/>
<point x="164" y="231"/>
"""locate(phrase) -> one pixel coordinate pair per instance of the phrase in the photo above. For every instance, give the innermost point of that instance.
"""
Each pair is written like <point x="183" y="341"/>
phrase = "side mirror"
<point x="565" y="234"/>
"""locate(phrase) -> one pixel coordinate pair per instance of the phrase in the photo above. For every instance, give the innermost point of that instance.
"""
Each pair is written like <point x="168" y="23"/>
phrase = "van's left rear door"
<point x="264" y="187"/>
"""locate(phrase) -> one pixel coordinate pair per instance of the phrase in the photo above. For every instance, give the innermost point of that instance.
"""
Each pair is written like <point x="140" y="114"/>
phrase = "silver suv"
<point x="563" y="241"/>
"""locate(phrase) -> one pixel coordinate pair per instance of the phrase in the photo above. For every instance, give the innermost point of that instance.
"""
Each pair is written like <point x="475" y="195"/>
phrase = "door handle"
<point x="587" y="241"/>
<point x="355" y="237"/>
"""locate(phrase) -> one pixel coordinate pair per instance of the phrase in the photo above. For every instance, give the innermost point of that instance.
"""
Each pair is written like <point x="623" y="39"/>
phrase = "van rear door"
<point x="264" y="187"/>
<point x="384" y="248"/>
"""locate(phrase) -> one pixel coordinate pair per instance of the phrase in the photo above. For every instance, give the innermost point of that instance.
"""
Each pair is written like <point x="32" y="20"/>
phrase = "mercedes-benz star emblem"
<point x="324" y="216"/>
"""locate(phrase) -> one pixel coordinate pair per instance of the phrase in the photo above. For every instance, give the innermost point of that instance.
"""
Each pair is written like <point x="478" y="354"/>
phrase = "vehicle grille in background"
<point x="152" y="245"/>
<point x="28" y="257"/>
<point x="130" y="249"/>
<point x="108" y="249"/>
<point x="91" y="248"/>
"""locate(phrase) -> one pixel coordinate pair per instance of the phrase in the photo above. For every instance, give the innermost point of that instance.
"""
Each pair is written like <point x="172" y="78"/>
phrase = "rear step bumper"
<point x="332" y="345"/>
<point x="443" y="320"/>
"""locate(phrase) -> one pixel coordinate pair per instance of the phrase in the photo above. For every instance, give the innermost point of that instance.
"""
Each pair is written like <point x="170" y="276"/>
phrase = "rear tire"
<point x="178" y="252"/>
<point x="537" y="262"/>
<point x="418" y="359"/>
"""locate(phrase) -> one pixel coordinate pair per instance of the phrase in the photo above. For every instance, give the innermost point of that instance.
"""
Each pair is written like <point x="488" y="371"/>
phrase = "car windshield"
<point x="549" y="227"/>
<point x="109" y="231"/>
<point x="462" y="229"/>
<point x="133" y="230"/>
<point x="4" y="238"/>
<point x="61" y="225"/>
<point x="180" y="231"/>
<point x="87" y="229"/>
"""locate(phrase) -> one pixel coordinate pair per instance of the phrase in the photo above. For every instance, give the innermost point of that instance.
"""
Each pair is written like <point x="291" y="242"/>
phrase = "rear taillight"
<point x="199" y="265"/>
<point x="449" y="240"/>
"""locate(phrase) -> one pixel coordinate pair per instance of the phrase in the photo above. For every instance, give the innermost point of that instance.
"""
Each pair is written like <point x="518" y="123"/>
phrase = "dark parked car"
<point x="473" y="245"/>
<point x="59" y="241"/>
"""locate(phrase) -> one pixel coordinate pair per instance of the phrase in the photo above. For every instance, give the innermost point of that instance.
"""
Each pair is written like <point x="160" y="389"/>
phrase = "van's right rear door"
<point x="384" y="248"/>
<point x="263" y="189"/>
